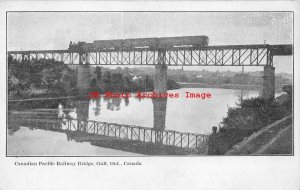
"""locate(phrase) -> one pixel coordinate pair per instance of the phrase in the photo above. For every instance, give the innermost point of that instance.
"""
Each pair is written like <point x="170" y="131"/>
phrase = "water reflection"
<point x="105" y="108"/>
<point x="47" y="143"/>
<point x="113" y="104"/>
<point x="97" y="108"/>
<point x="180" y="114"/>
<point x="159" y="113"/>
<point x="82" y="107"/>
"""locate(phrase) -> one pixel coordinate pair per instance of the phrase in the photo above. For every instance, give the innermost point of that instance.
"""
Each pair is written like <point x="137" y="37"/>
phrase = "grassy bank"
<point x="272" y="139"/>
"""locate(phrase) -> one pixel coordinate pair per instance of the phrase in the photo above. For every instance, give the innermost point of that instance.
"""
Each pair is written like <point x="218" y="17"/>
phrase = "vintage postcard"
<point x="114" y="89"/>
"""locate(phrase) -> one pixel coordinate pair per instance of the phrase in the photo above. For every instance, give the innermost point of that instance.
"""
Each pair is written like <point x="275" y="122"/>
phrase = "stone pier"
<point x="160" y="76"/>
<point x="159" y="113"/>
<point x="80" y="59"/>
<point x="83" y="79"/>
<point x="268" y="88"/>
<point x="83" y="74"/>
<point x="160" y="86"/>
<point x="160" y="79"/>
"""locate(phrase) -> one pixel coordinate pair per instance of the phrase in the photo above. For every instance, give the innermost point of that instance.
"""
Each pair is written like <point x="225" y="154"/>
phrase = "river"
<point x="194" y="115"/>
<point x="183" y="114"/>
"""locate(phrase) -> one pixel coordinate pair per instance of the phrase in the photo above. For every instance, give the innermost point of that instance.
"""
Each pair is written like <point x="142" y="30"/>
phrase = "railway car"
<point x="108" y="44"/>
<point x="183" y="41"/>
<point x="141" y="42"/>
<point x="165" y="42"/>
<point x="127" y="43"/>
<point x="88" y="47"/>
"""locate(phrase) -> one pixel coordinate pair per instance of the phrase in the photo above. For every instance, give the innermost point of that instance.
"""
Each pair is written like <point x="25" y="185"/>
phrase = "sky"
<point x="55" y="30"/>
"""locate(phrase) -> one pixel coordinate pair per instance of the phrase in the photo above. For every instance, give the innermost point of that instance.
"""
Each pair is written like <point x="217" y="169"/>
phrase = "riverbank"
<point x="250" y="118"/>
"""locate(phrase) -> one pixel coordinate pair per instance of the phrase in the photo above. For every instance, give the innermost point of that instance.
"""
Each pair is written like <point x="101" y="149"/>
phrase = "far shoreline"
<point x="226" y="86"/>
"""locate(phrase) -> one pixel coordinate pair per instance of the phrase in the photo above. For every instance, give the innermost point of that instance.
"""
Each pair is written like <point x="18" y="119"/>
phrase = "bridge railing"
<point x="141" y="134"/>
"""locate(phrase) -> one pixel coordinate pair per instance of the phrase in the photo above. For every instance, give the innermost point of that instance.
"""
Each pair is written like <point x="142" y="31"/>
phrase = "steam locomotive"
<point x="166" y="42"/>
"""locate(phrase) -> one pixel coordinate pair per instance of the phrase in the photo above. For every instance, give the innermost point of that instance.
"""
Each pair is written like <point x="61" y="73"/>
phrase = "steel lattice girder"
<point x="238" y="55"/>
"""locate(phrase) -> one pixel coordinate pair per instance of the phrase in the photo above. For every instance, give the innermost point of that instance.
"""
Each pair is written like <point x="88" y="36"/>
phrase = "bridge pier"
<point x="268" y="88"/>
<point x="160" y="79"/>
<point x="160" y="76"/>
<point x="83" y="74"/>
<point x="87" y="58"/>
<point x="82" y="109"/>
<point x="80" y="59"/>
<point x="83" y="79"/>
<point x="159" y="117"/>
<point x="160" y="86"/>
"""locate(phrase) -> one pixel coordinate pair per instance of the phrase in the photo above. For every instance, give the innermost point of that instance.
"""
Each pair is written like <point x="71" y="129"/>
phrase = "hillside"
<point x="272" y="139"/>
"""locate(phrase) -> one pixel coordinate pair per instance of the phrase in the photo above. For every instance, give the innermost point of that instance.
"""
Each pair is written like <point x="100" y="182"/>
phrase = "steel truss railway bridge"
<point x="175" y="54"/>
<point x="229" y="55"/>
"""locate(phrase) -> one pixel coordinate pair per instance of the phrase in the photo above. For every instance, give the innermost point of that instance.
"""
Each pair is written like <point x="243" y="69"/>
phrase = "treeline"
<point x="35" y="77"/>
<point x="123" y="80"/>
<point x="216" y="77"/>
<point x="46" y="77"/>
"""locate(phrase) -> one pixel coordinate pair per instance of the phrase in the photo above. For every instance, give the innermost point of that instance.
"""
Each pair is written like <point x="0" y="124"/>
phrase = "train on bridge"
<point x="140" y="43"/>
